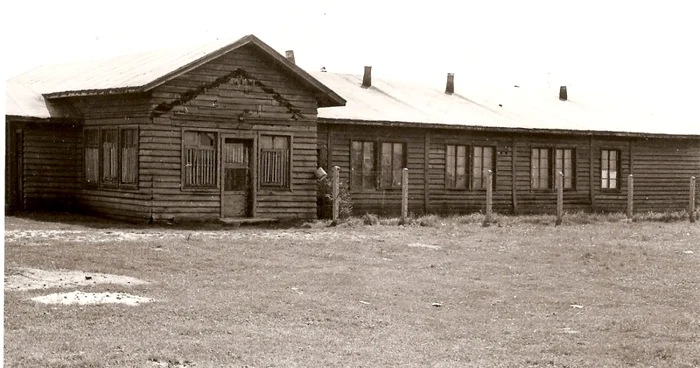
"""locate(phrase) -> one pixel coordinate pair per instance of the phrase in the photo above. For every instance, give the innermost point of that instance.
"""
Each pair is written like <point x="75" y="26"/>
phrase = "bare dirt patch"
<point x="83" y="298"/>
<point x="33" y="278"/>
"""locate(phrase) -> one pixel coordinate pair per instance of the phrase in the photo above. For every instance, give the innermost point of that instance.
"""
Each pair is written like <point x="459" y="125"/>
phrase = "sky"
<point x="621" y="49"/>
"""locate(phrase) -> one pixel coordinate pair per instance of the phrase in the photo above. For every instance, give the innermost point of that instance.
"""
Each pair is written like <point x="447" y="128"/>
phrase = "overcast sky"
<point x="644" y="48"/>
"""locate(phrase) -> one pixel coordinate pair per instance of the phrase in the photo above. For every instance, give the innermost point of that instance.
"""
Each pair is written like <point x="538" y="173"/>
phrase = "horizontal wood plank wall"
<point x="443" y="200"/>
<point x="386" y="201"/>
<point x="269" y="102"/>
<point x="544" y="201"/>
<point x="52" y="164"/>
<point x="612" y="200"/>
<point x="115" y="107"/>
<point x="127" y="204"/>
<point x="662" y="170"/>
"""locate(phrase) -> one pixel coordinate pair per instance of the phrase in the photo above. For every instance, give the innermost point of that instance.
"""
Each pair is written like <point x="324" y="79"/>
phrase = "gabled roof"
<point x="141" y="72"/>
<point x="494" y="108"/>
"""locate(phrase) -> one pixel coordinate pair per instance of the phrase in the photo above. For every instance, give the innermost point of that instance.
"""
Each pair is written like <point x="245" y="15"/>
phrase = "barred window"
<point x="110" y="156"/>
<point x="91" y="142"/>
<point x="274" y="161"/>
<point x="393" y="162"/>
<point x="129" y="155"/>
<point x="363" y="158"/>
<point x="200" y="168"/>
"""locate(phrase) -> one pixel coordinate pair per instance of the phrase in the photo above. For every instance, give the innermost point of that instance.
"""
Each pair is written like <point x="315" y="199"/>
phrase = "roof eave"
<point x="505" y="129"/>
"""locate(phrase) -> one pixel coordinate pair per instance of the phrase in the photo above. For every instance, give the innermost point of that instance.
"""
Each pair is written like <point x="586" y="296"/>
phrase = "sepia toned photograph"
<point x="351" y="184"/>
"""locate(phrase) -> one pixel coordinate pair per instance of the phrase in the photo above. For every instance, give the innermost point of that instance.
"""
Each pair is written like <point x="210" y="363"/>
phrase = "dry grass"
<point x="523" y="294"/>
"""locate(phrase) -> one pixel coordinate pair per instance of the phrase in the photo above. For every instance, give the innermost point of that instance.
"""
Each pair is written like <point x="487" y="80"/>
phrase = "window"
<point x="610" y="169"/>
<point x="456" y="167"/>
<point x="484" y="160"/>
<point x="129" y="156"/>
<point x="200" y="168"/>
<point x="92" y="156"/>
<point x="274" y="161"/>
<point x="564" y="163"/>
<point x="392" y="164"/>
<point x="540" y="169"/>
<point x="111" y="156"/>
<point x="363" y="159"/>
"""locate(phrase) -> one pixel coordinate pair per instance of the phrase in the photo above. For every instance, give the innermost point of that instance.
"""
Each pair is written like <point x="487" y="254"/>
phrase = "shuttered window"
<point x="275" y="162"/>
<point x="199" y="159"/>
<point x="540" y="173"/>
<point x="393" y="162"/>
<point x="484" y="160"/>
<point x="129" y="140"/>
<point x="110" y="156"/>
<point x="456" y="167"/>
<point x="565" y="161"/>
<point x="610" y="169"/>
<point x="363" y="159"/>
<point x="91" y="143"/>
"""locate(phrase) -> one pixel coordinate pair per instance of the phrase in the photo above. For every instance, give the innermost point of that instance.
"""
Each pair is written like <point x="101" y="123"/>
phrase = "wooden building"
<point x="449" y="141"/>
<point x="226" y="130"/>
<point x="236" y="130"/>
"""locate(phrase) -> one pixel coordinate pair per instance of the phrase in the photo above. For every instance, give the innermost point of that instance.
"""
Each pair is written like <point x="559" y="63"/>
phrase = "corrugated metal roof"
<point x="492" y="108"/>
<point x="139" y="72"/>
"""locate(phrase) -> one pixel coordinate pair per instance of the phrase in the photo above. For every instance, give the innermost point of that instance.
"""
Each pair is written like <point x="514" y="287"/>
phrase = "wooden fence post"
<point x="489" y="198"/>
<point x="336" y="195"/>
<point x="691" y="204"/>
<point x="404" y="195"/>
<point x="560" y="197"/>
<point x="630" y="195"/>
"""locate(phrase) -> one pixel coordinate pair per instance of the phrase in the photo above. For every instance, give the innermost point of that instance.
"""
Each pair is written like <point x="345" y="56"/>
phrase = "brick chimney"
<point x="367" y="78"/>
<point x="562" y="93"/>
<point x="450" y="87"/>
<point x="290" y="56"/>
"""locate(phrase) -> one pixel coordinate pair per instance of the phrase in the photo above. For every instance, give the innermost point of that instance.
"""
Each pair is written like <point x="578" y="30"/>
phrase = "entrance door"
<point x="237" y="169"/>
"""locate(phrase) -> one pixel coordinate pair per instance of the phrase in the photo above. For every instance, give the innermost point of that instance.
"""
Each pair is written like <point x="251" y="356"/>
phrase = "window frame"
<point x="377" y="161"/>
<point x="183" y="160"/>
<point x="290" y="164"/>
<point x="380" y="159"/>
<point x="100" y="157"/>
<point x="574" y="180"/>
<point x="618" y="180"/>
<point x="549" y="171"/>
<point x="467" y="166"/>
<point x="494" y="163"/>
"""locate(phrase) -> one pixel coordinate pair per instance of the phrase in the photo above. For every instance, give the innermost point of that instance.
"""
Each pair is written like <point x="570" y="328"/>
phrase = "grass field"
<point x="436" y="293"/>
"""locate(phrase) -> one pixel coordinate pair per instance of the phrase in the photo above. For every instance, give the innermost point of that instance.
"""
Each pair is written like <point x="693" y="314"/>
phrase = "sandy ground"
<point x="83" y="298"/>
<point x="32" y="278"/>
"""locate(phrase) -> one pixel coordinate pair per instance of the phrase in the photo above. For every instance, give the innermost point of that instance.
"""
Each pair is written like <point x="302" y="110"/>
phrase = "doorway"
<point x="237" y="168"/>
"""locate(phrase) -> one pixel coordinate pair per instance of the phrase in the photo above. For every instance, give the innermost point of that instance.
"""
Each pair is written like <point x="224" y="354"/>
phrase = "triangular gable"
<point x="145" y="71"/>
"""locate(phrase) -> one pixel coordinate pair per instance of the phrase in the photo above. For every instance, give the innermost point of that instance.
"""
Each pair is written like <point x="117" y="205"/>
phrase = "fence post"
<point x="336" y="196"/>
<point x="630" y="195"/>
<point x="691" y="204"/>
<point x="489" y="198"/>
<point x="404" y="195"/>
<point x="560" y="197"/>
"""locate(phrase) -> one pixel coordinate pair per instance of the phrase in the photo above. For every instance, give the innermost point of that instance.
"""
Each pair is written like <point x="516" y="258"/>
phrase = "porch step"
<point x="237" y="221"/>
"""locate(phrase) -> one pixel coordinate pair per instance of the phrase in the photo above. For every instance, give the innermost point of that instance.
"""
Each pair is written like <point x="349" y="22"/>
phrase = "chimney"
<point x="290" y="56"/>
<point x="562" y="93"/>
<point x="367" y="78"/>
<point x="450" y="87"/>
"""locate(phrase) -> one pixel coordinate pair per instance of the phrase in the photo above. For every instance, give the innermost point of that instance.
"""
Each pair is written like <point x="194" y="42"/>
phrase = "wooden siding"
<point x="662" y="169"/>
<point x="50" y="165"/>
<point x="116" y="107"/>
<point x="239" y="93"/>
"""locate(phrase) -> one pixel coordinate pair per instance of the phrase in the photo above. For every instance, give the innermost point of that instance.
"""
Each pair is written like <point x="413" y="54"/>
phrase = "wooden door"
<point x="16" y="164"/>
<point x="237" y="179"/>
